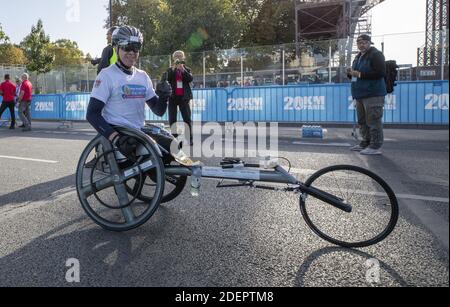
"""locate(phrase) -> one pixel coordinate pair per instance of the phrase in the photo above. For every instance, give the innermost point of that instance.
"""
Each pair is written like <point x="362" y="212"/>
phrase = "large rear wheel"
<point x="102" y="185"/>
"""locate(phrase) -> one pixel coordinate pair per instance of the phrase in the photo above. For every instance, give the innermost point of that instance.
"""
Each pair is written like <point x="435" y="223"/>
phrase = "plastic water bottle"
<point x="195" y="181"/>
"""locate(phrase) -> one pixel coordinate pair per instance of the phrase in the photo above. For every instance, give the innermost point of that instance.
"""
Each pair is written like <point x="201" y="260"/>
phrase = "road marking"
<point x="427" y="198"/>
<point x="323" y="144"/>
<point x="65" y="133"/>
<point x="28" y="159"/>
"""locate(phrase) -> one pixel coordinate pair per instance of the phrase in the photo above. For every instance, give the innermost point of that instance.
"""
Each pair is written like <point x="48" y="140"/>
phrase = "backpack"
<point x="391" y="76"/>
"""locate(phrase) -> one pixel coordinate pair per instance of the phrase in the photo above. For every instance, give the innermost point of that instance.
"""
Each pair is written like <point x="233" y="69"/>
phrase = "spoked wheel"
<point x="375" y="207"/>
<point x="173" y="187"/>
<point x="103" y="174"/>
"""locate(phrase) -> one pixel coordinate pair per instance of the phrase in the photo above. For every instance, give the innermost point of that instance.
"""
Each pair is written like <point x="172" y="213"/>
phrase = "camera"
<point x="178" y="62"/>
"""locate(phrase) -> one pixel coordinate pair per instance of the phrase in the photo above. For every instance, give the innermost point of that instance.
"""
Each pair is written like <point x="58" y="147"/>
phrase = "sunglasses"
<point x="135" y="47"/>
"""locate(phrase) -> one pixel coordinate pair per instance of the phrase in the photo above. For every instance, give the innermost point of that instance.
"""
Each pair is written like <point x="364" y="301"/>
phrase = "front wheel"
<point x="375" y="207"/>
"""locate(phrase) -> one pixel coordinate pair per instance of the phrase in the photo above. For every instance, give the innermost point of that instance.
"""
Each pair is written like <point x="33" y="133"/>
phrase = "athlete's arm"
<point x="95" y="118"/>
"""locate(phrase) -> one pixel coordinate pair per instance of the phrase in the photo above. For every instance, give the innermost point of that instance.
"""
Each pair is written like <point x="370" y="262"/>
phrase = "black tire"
<point x="148" y="209"/>
<point x="341" y="228"/>
<point x="179" y="183"/>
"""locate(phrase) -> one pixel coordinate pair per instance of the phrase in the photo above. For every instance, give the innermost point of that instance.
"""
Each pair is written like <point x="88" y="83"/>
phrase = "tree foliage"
<point x="3" y="38"/>
<point x="37" y="49"/>
<point x="66" y="52"/>
<point x="274" y="24"/>
<point x="200" y="25"/>
<point x="11" y="54"/>
<point x="190" y="25"/>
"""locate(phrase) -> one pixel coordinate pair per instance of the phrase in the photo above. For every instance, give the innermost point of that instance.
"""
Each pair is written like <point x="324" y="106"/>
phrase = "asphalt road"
<point x="239" y="237"/>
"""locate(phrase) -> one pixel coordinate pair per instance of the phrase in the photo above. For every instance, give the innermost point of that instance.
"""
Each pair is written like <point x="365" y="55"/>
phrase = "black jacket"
<point x="187" y="79"/>
<point x="372" y="66"/>
<point x="106" y="57"/>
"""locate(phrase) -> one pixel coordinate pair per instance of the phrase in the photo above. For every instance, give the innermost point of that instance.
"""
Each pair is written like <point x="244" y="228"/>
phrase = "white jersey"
<point x="124" y="96"/>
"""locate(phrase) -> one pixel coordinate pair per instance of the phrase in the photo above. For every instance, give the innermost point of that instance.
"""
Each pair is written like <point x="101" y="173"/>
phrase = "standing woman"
<point x="179" y="76"/>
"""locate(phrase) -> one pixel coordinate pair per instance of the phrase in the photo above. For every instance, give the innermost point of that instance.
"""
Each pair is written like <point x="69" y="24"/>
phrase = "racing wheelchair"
<point x="345" y="205"/>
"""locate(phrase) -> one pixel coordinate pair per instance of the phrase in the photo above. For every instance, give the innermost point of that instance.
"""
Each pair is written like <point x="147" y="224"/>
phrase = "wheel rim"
<point x="124" y="216"/>
<point x="375" y="207"/>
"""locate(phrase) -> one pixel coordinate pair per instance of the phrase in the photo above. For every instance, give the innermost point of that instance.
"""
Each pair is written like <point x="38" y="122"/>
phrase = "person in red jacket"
<point x="25" y="96"/>
<point x="8" y="91"/>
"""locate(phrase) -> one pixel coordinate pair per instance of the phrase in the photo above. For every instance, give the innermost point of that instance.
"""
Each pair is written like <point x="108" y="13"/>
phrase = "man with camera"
<point x="179" y="76"/>
<point x="369" y="90"/>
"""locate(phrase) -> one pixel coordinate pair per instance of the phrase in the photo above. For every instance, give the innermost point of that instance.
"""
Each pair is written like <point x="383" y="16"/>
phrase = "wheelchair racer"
<point x="121" y="91"/>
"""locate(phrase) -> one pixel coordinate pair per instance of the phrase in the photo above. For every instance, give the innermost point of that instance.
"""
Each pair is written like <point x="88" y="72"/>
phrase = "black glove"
<point x="164" y="89"/>
<point x="95" y="61"/>
<point x="127" y="146"/>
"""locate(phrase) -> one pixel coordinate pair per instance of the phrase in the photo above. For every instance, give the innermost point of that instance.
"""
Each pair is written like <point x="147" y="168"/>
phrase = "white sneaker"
<point x="371" y="152"/>
<point x="357" y="148"/>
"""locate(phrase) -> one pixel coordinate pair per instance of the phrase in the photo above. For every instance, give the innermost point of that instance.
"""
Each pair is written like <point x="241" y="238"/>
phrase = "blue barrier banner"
<point x="314" y="103"/>
<point x="411" y="103"/>
<point x="75" y="106"/>
<point x="418" y="103"/>
<point x="46" y="107"/>
<point x="206" y="105"/>
<point x="42" y="107"/>
<point x="209" y="105"/>
<point x="422" y="102"/>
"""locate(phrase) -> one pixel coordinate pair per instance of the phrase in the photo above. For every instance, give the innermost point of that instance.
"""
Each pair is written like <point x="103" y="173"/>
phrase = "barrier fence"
<point x="424" y="102"/>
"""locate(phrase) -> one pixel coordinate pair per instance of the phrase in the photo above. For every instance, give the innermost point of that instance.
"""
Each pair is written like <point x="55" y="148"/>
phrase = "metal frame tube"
<point x="277" y="176"/>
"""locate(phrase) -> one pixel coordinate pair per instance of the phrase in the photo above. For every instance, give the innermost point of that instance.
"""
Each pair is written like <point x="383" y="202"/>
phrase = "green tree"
<point x="143" y="14"/>
<point x="3" y="38"/>
<point x="275" y="24"/>
<point x="11" y="54"/>
<point x="66" y="52"/>
<point x="191" y="25"/>
<point x="37" y="49"/>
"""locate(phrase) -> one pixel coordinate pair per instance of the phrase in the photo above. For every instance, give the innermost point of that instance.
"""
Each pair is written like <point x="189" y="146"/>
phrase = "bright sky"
<point x="400" y="16"/>
<point x="78" y="20"/>
<point x="83" y="20"/>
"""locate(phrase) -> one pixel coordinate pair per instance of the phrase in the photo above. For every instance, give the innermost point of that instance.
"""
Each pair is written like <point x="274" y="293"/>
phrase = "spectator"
<point x="25" y="96"/>
<point x="16" y="100"/>
<point x="179" y="77"/>
<point x="18" y="83"/>
<point x="109" y="55"/>
<point x="369" y="91"/>
<point x="8" y="91"/>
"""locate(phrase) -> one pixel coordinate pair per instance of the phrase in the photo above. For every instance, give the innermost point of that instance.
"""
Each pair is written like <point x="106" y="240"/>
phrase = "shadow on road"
<point x="305" y="267"/>
<point x="105" y="258"/>
<point x="43" y="191"/>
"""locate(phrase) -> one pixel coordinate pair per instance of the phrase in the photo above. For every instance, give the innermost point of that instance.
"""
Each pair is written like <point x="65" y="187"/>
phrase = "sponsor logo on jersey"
<point x="133" y="91"/>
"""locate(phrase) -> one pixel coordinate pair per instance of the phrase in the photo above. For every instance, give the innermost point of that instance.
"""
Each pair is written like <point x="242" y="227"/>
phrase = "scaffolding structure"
<point x="340" y="20"/>
<point x="435" y="51"/>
